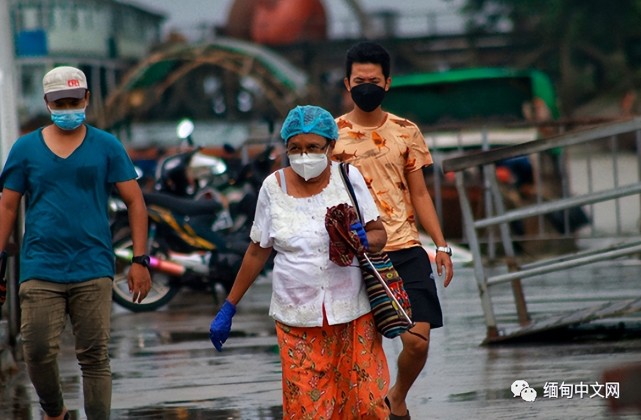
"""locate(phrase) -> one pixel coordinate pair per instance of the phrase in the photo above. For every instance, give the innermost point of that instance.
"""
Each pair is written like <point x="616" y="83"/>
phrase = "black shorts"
<point x="413" y="265"/>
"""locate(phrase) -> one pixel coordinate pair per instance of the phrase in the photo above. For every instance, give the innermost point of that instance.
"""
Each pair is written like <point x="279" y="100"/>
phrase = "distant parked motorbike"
<point x="199" y="222"/>
<point x="241" y="186"/>
<point x="187" y="171"/>
<point x="187" y="245"/>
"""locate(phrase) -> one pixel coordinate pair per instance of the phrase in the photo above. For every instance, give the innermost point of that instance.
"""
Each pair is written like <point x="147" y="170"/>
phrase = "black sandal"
<point x="395" y="416"/>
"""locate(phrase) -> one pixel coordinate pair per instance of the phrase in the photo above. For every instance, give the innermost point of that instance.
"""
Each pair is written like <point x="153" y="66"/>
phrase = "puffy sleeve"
<point x="366" y="203"/>
<point x="261" y="228"/>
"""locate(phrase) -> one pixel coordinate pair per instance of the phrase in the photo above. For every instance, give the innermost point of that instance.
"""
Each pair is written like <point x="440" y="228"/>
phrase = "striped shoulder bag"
<point x="387" y="296"/>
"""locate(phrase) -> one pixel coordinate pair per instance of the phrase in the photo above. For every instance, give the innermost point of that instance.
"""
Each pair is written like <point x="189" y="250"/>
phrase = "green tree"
<point x="581" y="43"/>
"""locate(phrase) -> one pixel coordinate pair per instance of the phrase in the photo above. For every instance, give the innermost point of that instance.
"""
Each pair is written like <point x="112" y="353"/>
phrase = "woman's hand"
<point x="362" y="235"/>
<point x="220" y="326"/>
<point x="376" y="235"/>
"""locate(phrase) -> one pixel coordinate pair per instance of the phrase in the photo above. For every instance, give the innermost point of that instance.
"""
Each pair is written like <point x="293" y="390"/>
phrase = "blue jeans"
<point x="44" y="307"/>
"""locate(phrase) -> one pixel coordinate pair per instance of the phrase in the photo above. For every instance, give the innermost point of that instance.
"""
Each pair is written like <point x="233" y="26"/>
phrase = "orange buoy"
<point x="277" y="22"/>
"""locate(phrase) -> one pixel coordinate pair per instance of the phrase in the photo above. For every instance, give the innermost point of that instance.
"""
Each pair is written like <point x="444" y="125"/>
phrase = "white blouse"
<point x="304" y="281"/>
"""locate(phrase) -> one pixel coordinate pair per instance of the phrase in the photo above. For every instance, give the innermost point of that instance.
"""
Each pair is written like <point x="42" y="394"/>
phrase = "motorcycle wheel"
<point x="163" y="287"/>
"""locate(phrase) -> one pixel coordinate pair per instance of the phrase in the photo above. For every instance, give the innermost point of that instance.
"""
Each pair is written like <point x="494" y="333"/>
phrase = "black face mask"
<point x="368" y="96"/>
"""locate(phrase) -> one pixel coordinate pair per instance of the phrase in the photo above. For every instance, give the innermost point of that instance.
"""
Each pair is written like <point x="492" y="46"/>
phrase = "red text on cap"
<point x="73" y="83"/>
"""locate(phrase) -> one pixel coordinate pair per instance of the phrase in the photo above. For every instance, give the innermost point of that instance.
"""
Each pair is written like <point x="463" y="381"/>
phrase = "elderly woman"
<point x="331" y="354"/>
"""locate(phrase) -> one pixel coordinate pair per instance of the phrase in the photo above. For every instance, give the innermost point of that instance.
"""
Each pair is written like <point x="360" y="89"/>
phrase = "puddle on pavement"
<point x="164" y="366"/>
<point x="182" y="413"/>
<point x="185" y="336"/>
<point x="23" y="412"/>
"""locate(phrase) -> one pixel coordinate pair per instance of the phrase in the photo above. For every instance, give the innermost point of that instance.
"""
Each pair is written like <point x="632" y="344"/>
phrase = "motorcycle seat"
<point x="185" y="206"/>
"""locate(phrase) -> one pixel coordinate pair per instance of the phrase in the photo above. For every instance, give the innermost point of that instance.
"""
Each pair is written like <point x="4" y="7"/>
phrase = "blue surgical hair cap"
<point x="308" y="119"/>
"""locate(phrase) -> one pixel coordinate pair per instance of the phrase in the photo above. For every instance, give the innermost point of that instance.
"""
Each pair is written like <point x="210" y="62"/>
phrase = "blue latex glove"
<point x="221" y="325"/>
<point x="362" y="236"/>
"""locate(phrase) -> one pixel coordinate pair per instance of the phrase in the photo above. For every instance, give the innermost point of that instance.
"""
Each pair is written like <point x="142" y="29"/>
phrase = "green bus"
<point x="469" y="95"/>
<point x="462" y="108"/>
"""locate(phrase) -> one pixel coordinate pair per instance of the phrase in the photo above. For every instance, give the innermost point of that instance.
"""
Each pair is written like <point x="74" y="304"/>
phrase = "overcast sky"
<point x="185" y="14"/>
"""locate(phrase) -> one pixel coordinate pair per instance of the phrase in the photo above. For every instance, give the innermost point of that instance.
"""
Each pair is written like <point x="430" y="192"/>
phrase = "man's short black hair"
<point x="367" y="52"/>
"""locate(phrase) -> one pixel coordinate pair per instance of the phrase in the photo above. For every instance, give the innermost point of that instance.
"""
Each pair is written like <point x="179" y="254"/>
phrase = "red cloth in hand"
<point x="344" y="243"/>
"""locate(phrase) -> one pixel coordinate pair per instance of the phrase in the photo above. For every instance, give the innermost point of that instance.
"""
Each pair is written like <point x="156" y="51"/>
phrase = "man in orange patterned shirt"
<point x="390" y="152"/>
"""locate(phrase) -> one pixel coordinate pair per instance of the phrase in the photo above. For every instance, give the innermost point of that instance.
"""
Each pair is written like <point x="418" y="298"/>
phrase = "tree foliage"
<point x="584" y="44"/>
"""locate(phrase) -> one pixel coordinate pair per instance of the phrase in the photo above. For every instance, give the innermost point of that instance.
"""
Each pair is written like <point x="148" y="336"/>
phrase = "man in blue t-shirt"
<point x="66" y="171"/>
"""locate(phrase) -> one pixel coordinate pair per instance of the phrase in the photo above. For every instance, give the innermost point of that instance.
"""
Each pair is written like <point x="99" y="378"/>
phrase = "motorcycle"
<point x="199" y="222"/>
<point x="186" y="247"/>
<point x="187" y="171"/>
<point x="231" y="180"/>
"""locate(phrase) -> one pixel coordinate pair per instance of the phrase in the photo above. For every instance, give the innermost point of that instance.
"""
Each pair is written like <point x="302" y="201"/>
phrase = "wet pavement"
<point x="164" y="366"/>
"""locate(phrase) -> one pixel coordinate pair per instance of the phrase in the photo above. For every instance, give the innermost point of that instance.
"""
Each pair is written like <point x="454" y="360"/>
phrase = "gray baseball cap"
<point x="64" y="82"/>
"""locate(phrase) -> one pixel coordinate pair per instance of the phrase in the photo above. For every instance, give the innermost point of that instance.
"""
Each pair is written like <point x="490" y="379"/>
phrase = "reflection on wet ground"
<point x="164" y="366"/>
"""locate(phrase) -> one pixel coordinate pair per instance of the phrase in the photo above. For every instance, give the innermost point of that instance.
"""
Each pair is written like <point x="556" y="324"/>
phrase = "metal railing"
<point x="555" y="173"/>
<point x="601" y="194"/>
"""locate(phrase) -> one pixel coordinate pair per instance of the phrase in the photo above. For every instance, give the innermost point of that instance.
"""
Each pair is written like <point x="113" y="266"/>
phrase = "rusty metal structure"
<point x="189" y="78"/>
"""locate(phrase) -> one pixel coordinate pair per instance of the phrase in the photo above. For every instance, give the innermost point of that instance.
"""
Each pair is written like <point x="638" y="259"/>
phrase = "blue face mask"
<point x="68" y="119"/>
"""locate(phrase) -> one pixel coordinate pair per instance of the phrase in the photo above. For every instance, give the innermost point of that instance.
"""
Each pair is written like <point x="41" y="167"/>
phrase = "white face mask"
<point x="308" y="166"/>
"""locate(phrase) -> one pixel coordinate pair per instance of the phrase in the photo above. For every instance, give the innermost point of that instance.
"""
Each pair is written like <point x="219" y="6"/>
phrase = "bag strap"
<point x="344" y="170"/>
<point x="283" y="182"/>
